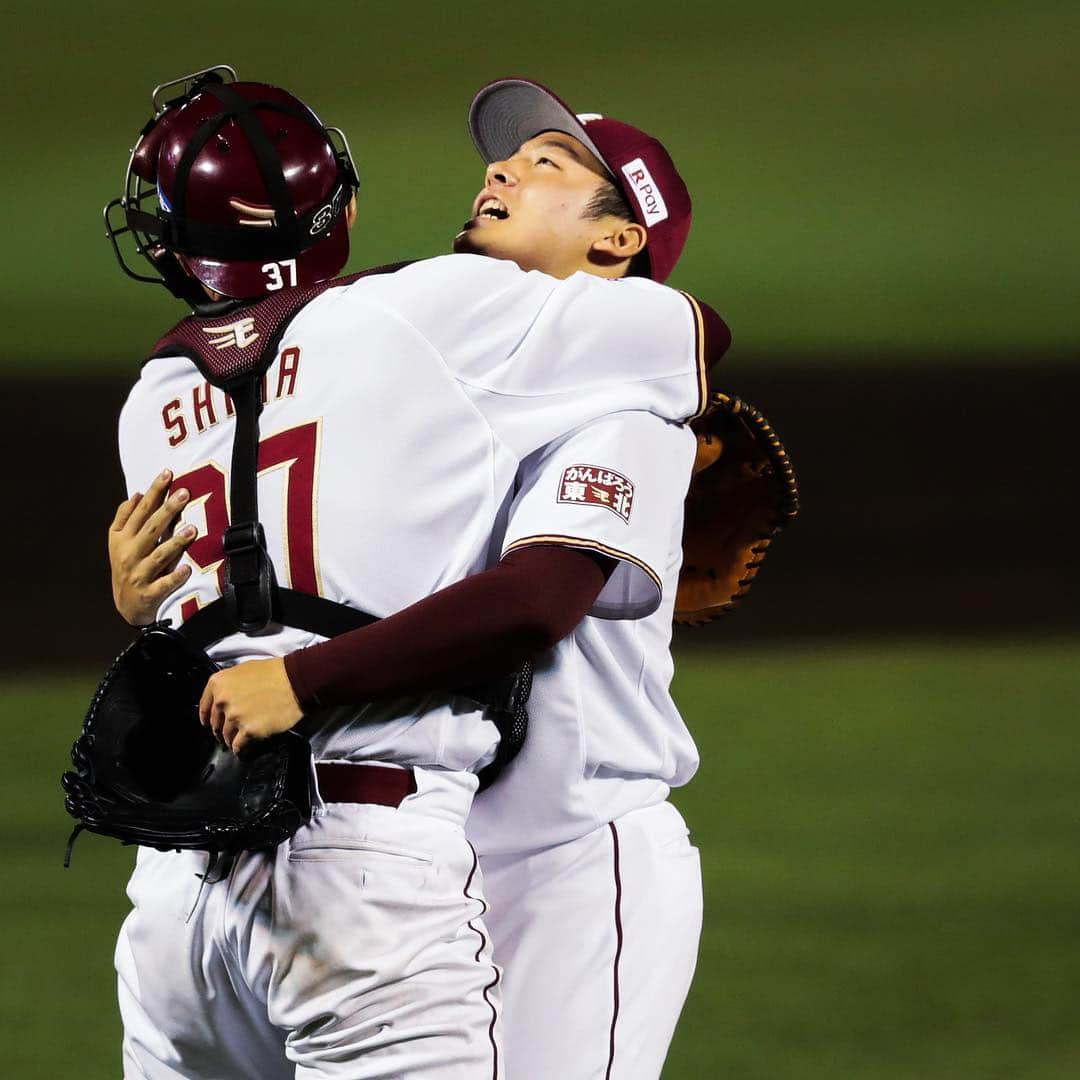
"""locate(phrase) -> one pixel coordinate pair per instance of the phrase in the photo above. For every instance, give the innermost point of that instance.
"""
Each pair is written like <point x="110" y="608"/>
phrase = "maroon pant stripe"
<point x="491" y="985"/>
<point x="618" y="947"/>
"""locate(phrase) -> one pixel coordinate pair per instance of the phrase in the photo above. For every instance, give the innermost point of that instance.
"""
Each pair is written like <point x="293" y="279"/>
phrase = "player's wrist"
<point x="132" y="613"/>
<point x="293" y="667"/>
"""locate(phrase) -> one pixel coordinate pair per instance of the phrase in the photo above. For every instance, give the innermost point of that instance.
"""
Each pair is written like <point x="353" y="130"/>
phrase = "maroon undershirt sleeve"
<point x="476" y="630"/>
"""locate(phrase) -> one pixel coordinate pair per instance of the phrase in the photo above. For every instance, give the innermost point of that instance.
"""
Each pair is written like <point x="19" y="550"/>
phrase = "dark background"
<point x="934" y="499"/>
<point x="886" y="214"/>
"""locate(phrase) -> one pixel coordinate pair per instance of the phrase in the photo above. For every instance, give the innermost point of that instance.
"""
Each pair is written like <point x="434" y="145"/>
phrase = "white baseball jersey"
<point x="605" y="736"/>
<point x="399" y="411"/>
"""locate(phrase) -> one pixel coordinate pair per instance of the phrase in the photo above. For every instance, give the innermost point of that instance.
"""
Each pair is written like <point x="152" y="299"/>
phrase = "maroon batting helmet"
<point x="251" y="190"/>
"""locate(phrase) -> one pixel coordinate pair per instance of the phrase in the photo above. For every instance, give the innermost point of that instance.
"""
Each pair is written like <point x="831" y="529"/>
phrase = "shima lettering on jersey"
<point x="397" y="414"/>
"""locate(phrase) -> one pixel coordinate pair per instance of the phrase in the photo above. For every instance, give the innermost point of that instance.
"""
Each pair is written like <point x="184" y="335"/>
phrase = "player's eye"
<point x="545" y="161"/>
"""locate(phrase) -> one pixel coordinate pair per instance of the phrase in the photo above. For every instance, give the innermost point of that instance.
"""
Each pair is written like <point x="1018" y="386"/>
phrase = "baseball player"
<point x="410" y="420"/>
<point x="593" y="886"/>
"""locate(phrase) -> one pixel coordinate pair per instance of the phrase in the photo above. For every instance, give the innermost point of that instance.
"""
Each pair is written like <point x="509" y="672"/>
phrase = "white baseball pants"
<point x="355" y="950"/>
<point x="598" y="940"/>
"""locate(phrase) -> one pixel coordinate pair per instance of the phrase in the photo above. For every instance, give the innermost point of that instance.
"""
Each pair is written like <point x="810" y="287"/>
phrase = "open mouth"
<point x="492" y="208"/>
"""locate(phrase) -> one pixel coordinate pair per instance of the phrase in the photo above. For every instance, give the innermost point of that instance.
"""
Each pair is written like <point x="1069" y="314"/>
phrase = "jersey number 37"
<point x="294" y="452"/>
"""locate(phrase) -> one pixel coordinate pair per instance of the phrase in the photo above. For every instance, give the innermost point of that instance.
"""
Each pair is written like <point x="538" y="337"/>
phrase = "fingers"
<point x="148" y="503"/>
<point x="218" y="719"/>
<point x="160" y="522"/>
<point x="212" y="706"/>
<point x="123" y="512"/>
<point x="236" y="735"/>
<point x="239" y="737"/>
<point x="227" y="707"/>
<point x="163" y="559"/>
<point x="230" y="732"/>
<point x="206" y="702"/>
<point x="138" y="603"/>
<point x="156" y="593"/>
<point x="141" y="521"/>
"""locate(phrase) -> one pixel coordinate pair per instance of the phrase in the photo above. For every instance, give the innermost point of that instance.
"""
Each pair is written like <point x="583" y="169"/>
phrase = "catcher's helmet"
<point x="251" y="190"/>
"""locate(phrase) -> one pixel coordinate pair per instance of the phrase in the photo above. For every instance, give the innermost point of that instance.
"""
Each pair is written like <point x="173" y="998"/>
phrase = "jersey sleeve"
<point x="540" y="357"/>
<point x="614" y="487"/>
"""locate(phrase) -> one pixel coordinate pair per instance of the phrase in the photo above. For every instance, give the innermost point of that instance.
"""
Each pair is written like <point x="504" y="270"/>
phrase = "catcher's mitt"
<point x="742" y="494"/>
<point x="148" y="772"/>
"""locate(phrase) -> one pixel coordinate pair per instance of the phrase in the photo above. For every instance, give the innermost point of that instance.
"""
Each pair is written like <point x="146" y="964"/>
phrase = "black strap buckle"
<point x="249" y="577"/>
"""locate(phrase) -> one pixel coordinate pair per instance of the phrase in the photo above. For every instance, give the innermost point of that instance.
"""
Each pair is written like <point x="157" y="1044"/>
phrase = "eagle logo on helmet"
<point x="258" y="217"/>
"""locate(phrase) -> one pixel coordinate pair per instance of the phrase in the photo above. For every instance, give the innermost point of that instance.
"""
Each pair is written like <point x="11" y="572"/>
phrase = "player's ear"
<point x="350" y="213"/>
<point x="623" y="241"/>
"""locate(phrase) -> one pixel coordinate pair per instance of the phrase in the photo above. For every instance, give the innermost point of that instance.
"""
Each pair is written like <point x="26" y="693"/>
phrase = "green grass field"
<point x="869" y="180"/>
<point x="889" y="835"/>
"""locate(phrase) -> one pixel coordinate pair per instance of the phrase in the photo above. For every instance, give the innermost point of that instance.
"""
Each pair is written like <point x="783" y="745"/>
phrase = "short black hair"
<point x="607" y="201"/>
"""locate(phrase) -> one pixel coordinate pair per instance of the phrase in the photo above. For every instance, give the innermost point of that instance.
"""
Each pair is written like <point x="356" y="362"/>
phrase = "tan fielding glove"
<point x="742" y="494"/>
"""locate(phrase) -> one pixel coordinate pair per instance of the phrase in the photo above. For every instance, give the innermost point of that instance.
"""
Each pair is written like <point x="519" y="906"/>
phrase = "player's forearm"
<point x="471" y="632"/>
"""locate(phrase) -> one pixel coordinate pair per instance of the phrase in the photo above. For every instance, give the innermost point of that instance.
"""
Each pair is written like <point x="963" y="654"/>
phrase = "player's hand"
<point x="250" y="701"/>
<point x="144" y="550"/>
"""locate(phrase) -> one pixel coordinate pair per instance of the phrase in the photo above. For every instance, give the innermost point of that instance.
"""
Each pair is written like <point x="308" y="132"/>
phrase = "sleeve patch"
<point x="583" y="484"/>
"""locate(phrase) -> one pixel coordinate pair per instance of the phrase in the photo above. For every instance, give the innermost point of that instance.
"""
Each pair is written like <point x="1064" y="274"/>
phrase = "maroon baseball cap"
<point x="508" y="112"/>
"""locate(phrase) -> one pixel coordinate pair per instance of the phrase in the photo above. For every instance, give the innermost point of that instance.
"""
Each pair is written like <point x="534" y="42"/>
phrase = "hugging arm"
<point x="471" y="632"/>
<point x="467" y="633"/>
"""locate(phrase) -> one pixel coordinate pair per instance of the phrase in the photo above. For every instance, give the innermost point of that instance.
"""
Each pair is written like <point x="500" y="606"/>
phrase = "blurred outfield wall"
<point x="932" y="503"/>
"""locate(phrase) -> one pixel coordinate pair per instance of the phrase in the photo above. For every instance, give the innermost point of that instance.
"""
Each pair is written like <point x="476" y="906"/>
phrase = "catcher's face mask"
<point x="249" y="190"/>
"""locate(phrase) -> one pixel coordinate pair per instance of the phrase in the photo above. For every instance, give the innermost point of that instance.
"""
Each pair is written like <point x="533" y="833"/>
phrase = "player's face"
<point x="532" y="207"/>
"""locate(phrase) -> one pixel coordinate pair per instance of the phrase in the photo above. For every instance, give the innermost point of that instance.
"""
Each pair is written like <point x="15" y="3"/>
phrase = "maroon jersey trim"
<point x="712" y="338"/>
<point x="618" y="947"/>
<point x="590" y="545"/>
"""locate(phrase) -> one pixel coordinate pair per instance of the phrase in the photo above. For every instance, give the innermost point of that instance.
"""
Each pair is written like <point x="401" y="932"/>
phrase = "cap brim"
<point x="507" y="113"/>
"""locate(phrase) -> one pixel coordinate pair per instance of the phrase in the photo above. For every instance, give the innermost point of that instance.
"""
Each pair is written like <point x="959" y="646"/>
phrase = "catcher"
<point x="594" y="888"/>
